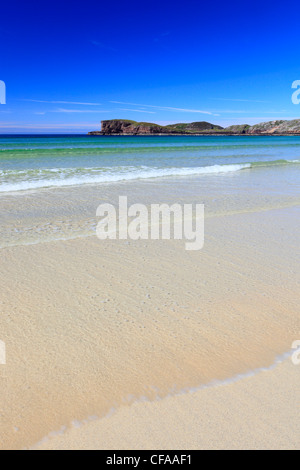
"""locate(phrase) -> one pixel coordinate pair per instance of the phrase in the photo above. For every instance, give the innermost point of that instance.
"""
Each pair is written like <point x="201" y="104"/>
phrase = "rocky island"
<point x="124" y="126"/>
<point x="127" y="127"/>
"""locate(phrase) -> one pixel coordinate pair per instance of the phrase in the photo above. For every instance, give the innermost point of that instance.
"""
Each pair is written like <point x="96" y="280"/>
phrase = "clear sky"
<point x="67" y="65"/>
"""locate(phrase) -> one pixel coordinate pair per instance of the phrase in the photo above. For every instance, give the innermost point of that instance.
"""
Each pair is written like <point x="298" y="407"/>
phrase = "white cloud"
<point x="85" y="111"/>
<point x="168" y="108"/>
<point x="240" y="100"/>
<point x="64" y="102"/>
<point x="137" y="110"/>
<point x="16" y="125"/>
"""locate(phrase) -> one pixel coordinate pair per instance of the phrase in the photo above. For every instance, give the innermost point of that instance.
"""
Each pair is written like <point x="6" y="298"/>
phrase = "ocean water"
<point x="51" y="186"/>
<point x="59" y="161"/>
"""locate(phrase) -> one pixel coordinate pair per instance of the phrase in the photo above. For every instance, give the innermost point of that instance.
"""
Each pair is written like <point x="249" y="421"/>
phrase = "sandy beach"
<point x="117" y="327"/>
<point x="149" y="228"/>
<point x="255" y="413"/>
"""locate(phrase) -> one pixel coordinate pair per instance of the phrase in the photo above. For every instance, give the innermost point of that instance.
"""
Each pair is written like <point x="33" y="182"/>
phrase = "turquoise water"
<point x="57" y="161"/>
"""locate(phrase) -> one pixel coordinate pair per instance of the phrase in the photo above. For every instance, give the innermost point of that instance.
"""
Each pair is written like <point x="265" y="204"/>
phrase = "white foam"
<point x="215" y="383"/>
<point x="110" y="176"/>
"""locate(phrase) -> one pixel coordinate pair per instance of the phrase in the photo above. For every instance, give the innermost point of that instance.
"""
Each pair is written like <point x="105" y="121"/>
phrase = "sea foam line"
<point x="108" y="176"/>
<point x="190" y="390"/>
<point x="64" y="177"/>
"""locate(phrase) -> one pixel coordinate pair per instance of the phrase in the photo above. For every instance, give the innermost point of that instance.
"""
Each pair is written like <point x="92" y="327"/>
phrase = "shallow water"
<point x="39" y="162"/>
<point x="50" y="187"/>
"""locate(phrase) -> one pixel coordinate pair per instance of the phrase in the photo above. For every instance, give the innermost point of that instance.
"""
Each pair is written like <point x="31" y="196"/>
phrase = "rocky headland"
<point x="127" y="127"/>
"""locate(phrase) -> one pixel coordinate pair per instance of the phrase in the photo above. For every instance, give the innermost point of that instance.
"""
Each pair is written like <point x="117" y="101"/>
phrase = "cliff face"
<point x="118" y="126"/>
<point x="276" y="127"/>
<point x="267" y="128"/>
<point x="123" y="127"/>
<point x="126" y="127"/>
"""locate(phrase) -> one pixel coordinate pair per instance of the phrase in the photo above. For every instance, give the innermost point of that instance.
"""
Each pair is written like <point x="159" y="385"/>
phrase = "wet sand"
<point x="259" y="412"/>
<point x="93" y="326"/>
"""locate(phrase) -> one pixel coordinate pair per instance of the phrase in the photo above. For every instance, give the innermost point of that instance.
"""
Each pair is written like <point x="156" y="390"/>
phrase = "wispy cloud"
<point x="88" y="111"/>
<point x="241" y="100"/>
<point x="276" y="112"/>
<point x="137" y="110"/>
<point x="85" y="111"/>
<point x="249" y="112"/>
<point x="168" y="108"/>
<point x="16" y="125"/>
<point x="64" y="102"/>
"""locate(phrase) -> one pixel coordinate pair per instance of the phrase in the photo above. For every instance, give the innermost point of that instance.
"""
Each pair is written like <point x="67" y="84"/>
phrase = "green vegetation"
<point x="185" y="128"/>
<point x="130" y="127"/>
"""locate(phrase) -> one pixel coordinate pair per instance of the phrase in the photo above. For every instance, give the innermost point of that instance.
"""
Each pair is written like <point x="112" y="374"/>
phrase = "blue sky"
<point x="69" y="65"/>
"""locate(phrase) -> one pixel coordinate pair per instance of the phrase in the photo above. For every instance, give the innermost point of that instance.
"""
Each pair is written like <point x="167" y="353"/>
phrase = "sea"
<point x="35" y="162"/>
<point x="51" y="185"/>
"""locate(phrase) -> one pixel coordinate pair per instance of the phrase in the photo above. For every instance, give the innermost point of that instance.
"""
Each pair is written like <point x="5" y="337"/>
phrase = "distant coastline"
<point x="128" y="127"/>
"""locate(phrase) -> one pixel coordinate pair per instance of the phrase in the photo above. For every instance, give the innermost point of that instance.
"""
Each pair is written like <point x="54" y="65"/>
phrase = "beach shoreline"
<point x="210" y="418"/>
<point x="93" y="325"/>
<point x="90" y="324"/>
<point x="149" y="229"/>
